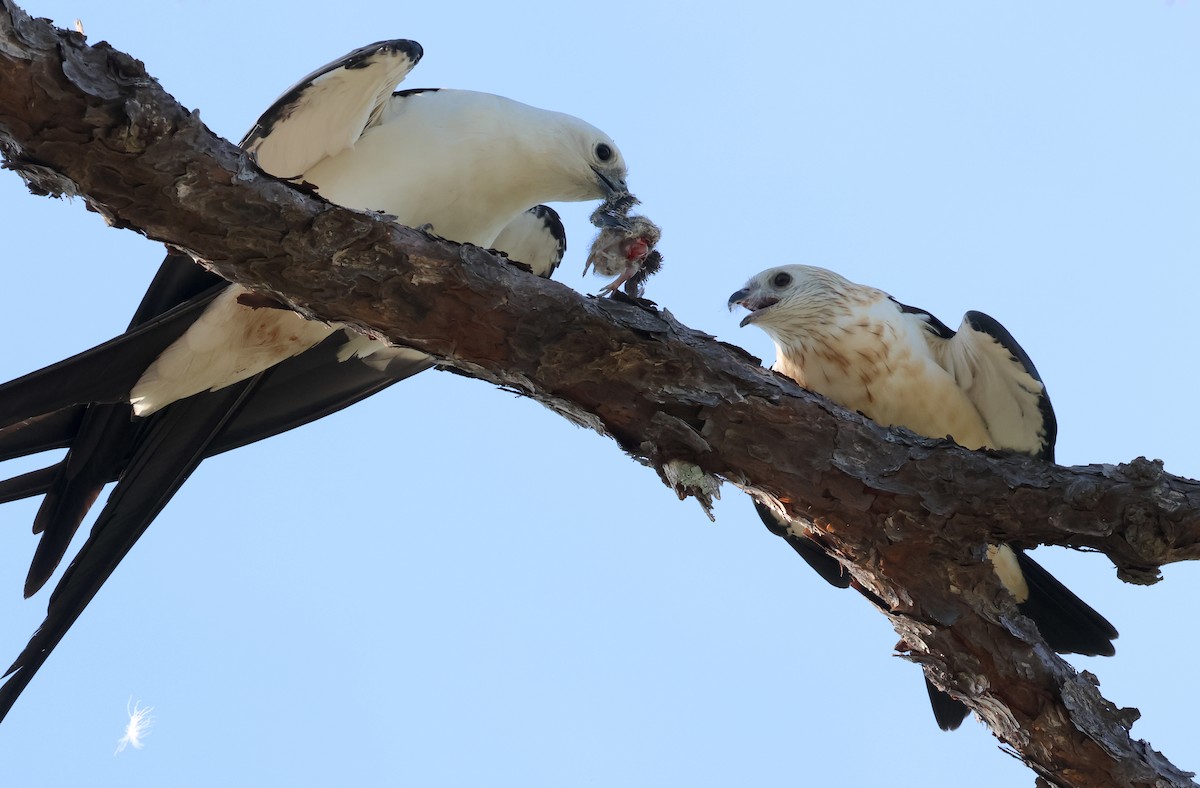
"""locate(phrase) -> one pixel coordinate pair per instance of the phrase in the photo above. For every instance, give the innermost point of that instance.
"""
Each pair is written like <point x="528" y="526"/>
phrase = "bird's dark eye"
<point x="604" y="152"/>
<point x="782" y="280"/>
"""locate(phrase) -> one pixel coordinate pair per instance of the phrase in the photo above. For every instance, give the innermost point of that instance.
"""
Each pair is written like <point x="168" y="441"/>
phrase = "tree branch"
<point x="910" y="517"/>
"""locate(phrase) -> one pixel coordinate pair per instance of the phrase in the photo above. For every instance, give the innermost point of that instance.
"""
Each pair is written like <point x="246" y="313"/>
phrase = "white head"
<point x="585" y="161"/>
<point x="469" y="163"/>
<point x="792" y="301"/>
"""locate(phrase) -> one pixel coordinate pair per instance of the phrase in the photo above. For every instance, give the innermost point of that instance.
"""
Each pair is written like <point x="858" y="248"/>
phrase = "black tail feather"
<point x="305" y="388"/>
<point x="89" y="465"/>
<point x="301" y="389"/>
<point x="1068" y="624"/>
<point x="29" y="484"/>
<point x="40" y="433"/>
<point x="103" y="374"/>
<point x="948" y="712"/>
<point x="824" y="564"/>
<point x="148" y="483"/>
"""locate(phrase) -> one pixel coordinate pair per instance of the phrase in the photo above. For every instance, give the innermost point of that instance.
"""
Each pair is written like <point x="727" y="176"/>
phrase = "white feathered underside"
<point x="527" y="238"/>
<point x="1000" y="387"/>
<point x="227" y="344"/>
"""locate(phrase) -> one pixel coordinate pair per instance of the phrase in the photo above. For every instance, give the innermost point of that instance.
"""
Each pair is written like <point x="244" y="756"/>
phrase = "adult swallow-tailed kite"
<point x="903" y="367"/>
<point x="204" y="368"/>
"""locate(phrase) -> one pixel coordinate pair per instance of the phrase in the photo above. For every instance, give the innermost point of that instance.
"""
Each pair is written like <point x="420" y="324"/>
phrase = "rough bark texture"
<point x="908" y="516"/>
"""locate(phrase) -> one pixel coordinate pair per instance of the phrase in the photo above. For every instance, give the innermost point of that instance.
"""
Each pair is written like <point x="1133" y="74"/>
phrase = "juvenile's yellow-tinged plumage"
<point x="902" y="367"/>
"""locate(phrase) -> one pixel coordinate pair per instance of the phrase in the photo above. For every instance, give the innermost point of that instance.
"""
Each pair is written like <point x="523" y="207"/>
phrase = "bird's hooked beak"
<point x="612" y="185"/>
<point x="755" y="303"/>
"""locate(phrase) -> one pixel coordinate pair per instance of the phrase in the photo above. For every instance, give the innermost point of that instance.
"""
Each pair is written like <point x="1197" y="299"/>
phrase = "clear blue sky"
<point x="447" y="585"/>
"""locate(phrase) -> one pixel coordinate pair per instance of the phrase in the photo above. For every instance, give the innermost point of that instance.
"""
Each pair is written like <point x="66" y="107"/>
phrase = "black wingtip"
<point x="948" y="712"/>
<point x="411" y="48"/>
<point x="361" y="57"/>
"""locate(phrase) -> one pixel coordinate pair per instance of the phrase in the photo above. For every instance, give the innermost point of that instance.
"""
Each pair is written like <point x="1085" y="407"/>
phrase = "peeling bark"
<point x="910" y="517"/>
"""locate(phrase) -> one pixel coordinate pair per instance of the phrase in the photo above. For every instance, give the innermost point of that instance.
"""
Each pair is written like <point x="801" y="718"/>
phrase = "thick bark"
<point x="908" y="516"/>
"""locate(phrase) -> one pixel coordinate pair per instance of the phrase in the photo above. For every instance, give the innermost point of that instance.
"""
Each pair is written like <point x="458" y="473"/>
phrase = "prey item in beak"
<point x="614" y="186"/>
<point x="624" y="247"/>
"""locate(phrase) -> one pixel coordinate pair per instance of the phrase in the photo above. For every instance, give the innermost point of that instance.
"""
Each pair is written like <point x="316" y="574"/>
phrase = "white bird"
<point x="902" y="367"/>
<point x="204" y="368"/>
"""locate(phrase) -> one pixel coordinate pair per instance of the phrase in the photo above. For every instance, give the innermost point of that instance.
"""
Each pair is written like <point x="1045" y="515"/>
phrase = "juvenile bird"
<point x="902" y="367"/>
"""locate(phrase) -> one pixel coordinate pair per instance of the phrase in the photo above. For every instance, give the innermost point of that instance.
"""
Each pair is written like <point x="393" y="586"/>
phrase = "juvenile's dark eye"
<point x="782" y="280"/>
<point x="603" y="152"/>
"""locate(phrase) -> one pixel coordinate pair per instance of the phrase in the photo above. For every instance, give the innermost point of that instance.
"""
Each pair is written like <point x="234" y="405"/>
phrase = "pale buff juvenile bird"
<point x="903" y="367"/>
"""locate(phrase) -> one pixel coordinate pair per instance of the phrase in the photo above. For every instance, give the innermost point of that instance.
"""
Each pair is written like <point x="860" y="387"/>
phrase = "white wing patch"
<point x="228" y="343"/>
<point x="1004" y="564"/>
<point x="377" y="353"/>
<point x="1006" y="394"/>
<point x="329" y="114"/>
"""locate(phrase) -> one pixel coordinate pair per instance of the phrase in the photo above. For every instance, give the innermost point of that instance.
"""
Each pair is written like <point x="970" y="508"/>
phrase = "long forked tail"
<point x="149" y="482"/>
<point x="76" y="485"/>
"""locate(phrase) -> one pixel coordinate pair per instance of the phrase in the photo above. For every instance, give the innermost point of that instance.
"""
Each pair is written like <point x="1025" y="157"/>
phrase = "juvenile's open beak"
<point x="744" y="298"/>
